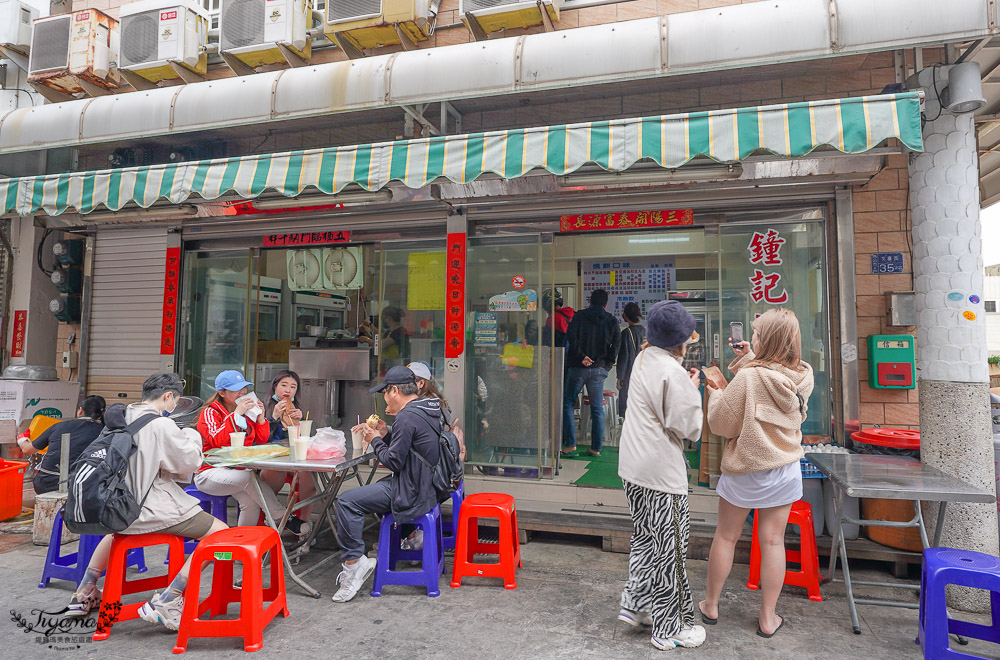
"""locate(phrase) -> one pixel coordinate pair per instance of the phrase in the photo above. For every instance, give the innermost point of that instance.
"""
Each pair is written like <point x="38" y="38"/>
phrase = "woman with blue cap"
<point x="223" y="415"/>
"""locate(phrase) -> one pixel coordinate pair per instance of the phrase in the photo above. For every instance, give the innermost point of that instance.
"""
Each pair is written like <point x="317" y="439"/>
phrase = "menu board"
<point x="645" y="280"/>
<point x="425" y="281"/>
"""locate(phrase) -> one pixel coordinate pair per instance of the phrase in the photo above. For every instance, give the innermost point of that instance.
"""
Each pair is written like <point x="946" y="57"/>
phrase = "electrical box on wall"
<point x="892" y="362"/>
<point x="901" y="308"/>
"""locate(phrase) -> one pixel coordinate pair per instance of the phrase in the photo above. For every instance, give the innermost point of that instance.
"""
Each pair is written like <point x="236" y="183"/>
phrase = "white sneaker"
<point x="351" y="579"/>
<point x="156" y="611"/>
<point x="689" y="638"/>
<point x="416" y="542"/>
<point x="635" y="619"/>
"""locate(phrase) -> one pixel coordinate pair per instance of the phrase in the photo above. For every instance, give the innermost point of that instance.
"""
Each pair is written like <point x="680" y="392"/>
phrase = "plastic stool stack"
<point x="431" y="556"/>
<point x="808" y="575"/>
<point x="247" y="545"/>
<point x="467" y="544"/>
<point x="944" y="566"/>
<point x="73" y="565"/>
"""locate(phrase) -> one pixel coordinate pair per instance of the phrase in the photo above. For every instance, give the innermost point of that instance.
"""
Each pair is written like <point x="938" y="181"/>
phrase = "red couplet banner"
<point x="171" y="287"/>
<point x="455" y="297"/>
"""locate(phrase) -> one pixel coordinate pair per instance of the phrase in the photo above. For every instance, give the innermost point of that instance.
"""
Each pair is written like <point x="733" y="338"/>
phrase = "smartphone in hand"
<point x="736" y="332"/>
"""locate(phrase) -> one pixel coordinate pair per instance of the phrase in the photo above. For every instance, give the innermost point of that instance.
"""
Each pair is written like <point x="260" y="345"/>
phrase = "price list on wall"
<point x="643" y="281"/>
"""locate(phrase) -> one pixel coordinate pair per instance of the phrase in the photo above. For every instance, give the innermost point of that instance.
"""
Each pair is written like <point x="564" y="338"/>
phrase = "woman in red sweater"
<point x="222" y="416"/>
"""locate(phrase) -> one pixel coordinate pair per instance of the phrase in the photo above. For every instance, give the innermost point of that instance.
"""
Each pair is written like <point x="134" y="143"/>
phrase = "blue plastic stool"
<point x="73" y="565"/>
<point x="944" y="566"/>
<point x="431" y="557"/>
<point x="449" y="526"/>
<point x="217" y="505"/>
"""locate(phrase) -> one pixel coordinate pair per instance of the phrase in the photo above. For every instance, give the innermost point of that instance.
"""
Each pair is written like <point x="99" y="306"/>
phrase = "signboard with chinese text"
<point x="630" y="220"/>
<point x="454" y="332"/>
<point x="525" y="300"/>
<point x="485" y="330"/>
<point x="18" y="335"/>
<point x="887" y="262"/>
<point x="765" y="251"/>
<point x="425" y="273"/>
<point x="643" y="280"/>
<point x="307" y="238"/>
<point x="171" y="288"/>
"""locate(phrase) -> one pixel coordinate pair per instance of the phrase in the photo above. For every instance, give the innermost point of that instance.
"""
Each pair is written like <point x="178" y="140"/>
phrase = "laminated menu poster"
<point x="643" y="280"/>
<point x="525" y="300"/>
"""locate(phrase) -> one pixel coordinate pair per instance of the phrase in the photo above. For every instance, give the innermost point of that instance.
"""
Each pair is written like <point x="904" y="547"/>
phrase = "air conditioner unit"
<point x="158" y="36"/>
<point x="375" y="23"/>
<point x="255" y="31"/>
<point x="15" y="25"/>
<point x="72" y="53"/>
<point x="496" y="15"/>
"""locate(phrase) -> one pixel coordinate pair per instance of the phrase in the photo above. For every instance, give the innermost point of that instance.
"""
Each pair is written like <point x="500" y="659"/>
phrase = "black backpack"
<point x="99" y="501"/>
<point x="448" y="473"/>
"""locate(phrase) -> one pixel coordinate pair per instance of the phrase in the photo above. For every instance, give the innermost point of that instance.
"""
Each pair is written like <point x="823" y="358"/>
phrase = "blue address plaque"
<point x="887" y="262"/>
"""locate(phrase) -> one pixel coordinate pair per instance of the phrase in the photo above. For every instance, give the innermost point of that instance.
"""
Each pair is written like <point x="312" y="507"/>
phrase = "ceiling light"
<point x="142" y="214"/>
<point x="708" y="173"/>
<point x="359" y="197"/>
<point x="661" y="239"/>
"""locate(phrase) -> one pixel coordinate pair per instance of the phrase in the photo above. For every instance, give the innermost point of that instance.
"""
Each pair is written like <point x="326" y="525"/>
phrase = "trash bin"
<point x="11" y="488"/>
<point x="890" y="442"/>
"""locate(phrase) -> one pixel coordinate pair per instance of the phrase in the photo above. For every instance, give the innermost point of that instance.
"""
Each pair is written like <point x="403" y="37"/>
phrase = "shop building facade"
<point x="777" y="179"/>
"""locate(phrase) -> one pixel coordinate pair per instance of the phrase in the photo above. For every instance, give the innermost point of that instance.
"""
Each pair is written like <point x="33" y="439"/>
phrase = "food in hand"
<point x="373" y="421"/>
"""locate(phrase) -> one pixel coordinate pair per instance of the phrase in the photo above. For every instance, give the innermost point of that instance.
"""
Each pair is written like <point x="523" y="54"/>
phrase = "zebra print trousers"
<point x="657" y="564"/>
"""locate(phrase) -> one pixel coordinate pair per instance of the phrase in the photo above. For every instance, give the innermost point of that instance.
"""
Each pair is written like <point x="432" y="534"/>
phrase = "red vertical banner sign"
<point x="454" y="335"/>
<point x="171" y="287"/>
<point x="20" y="328"/>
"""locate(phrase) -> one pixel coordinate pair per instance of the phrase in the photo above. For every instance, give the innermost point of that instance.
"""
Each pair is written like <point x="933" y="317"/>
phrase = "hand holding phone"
<point x="736" y="335"/>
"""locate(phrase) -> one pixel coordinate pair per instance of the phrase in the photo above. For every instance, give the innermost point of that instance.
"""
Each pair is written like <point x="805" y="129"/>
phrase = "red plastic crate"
<point x="11" y="488"/>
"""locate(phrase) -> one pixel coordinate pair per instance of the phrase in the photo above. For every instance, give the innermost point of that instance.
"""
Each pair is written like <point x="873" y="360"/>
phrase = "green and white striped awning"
<point x="852" y="126"/>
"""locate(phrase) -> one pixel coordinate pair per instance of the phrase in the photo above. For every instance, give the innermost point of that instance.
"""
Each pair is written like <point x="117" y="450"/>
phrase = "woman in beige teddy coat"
<point x="762" y="410"/>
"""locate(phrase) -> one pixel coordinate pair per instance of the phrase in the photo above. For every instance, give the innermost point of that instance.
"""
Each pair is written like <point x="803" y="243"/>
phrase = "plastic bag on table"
<point x="327" y="443"/>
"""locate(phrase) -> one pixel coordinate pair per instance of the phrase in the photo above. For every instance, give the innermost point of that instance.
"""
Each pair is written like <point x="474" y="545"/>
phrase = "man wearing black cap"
<point x="409" y="492"/>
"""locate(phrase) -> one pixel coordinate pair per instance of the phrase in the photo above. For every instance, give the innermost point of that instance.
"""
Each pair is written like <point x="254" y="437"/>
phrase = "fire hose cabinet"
<point x="892" y="362"/>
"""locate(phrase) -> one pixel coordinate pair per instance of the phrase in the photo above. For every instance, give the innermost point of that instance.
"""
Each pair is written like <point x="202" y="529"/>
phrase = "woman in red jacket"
<point x="223" y="415"/>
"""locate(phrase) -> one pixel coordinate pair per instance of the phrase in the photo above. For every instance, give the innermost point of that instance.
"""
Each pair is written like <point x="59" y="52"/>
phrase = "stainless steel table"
<point x="328" y="477"/>
<point x="892" y="478"/>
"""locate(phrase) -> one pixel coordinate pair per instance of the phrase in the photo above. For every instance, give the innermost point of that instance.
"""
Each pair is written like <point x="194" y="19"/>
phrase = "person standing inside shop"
<point x="554" y="332"/>
<point x="666" y="412"/>
<point x="763" y="409"/>
<point x="632" y="337"/>
<point x="593" y="339"/>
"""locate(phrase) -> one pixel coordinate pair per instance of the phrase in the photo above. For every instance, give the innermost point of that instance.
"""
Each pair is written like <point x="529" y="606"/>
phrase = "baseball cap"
<point x="395" y="376"/>
<point x="231" y="380"/>
<point x="420" y="369"/>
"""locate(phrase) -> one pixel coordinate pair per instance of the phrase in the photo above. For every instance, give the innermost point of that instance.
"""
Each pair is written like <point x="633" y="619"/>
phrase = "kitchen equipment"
<point x="316" y="330"/>
<point x="323" y="371"/>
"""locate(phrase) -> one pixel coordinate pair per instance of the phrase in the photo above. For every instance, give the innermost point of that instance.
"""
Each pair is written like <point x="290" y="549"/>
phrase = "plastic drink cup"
<point x="305" y="428"/>
<point x="300" y="448"/>
<point x="357" y="442"/>
<point x="293" y="433"/>
<point x="237" y="439"/>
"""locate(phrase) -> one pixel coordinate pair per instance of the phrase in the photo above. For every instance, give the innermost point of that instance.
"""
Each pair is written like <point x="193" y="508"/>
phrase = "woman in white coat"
<point x="664" y="410"/>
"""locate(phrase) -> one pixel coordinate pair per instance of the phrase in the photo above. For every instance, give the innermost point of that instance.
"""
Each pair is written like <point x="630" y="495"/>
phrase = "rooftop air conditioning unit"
<point x="375" y="23"/>
<point x="15" y="25"/>
<point x="164" y="39"/>
<point x="496" y="15"/>
<point x="72" y="54"/>
<point x="260" y="32"/>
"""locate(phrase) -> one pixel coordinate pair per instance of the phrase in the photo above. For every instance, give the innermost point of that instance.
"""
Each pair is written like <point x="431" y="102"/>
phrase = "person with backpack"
<point x="159" y="450"/>
<point x="410" y="450"/>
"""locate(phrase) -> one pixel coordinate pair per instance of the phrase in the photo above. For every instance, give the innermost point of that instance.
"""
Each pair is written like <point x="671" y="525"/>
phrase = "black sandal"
<point x="707" y="620"/>
<point x="761" y="633"/>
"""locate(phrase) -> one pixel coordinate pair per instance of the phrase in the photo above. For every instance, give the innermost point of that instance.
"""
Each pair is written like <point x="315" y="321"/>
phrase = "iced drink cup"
<point x="300" y="448"/>
<point x="237" y="439"/>
<point x="305" y="428"/>
<point x="357" y="442"/>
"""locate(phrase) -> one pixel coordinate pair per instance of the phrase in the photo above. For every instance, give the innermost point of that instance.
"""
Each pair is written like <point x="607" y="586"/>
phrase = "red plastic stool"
<point x="467" y="543"/>
<point x="247" y="545"/>
<point x="808" y="575"/>
<point x="113" y="610"/>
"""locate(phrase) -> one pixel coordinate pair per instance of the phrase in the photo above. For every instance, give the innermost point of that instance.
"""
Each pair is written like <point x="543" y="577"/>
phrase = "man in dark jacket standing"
<point x="409" y="492"/>
<point x="593" y="339"/>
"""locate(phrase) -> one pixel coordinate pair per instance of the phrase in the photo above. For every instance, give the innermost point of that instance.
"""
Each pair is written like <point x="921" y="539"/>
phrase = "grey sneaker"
<point x="689" y="638"/>
<point x="156" y="611"/>
<point x="351" y="579"/>
<point x="635" y="619"/>
<point x="416" y="542"/>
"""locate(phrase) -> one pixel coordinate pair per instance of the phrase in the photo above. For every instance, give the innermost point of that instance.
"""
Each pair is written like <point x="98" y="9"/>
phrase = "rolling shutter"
<point x="126" y="312"/>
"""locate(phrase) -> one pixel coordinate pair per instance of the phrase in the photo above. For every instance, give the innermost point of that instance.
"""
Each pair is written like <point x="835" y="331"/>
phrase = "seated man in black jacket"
<point x="409" y="492"/>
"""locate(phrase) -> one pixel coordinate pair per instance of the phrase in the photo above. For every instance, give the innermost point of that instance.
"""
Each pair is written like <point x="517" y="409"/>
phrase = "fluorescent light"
<point x="359" y="197"/>
<point x="661" y="239"/>
<point x="140" y="214"/>
<point x="690" y="173"/>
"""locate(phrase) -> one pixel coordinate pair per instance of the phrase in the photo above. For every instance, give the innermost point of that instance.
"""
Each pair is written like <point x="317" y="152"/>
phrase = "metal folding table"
<point x="893" y="478"/>
<point x="328" y="477"/>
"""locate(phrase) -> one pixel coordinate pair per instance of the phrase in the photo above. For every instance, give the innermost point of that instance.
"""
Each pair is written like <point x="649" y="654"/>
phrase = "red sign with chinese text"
<point x="765" y="250"/>
<point x="171" y="287"/>
<point x="630" y="220"/>
<point x="454" y="333"/>
<point x="308" y="238"/>
<point x="20" y="327"/>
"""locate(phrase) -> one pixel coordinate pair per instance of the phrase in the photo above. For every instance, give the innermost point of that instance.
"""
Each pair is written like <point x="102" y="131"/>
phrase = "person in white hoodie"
<point x="664" y="410"/>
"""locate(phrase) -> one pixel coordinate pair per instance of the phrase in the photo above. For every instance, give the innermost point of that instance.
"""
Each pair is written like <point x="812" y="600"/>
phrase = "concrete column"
<point x="31" y="291"/>
<point x="955" y="428"/>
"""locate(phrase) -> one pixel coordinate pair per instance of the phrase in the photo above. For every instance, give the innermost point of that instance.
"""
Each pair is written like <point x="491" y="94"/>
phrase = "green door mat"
<point x="602" y="471"/>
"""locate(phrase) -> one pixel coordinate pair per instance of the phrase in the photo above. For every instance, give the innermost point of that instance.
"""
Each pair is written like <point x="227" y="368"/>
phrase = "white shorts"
<point x="764" y="489"/>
